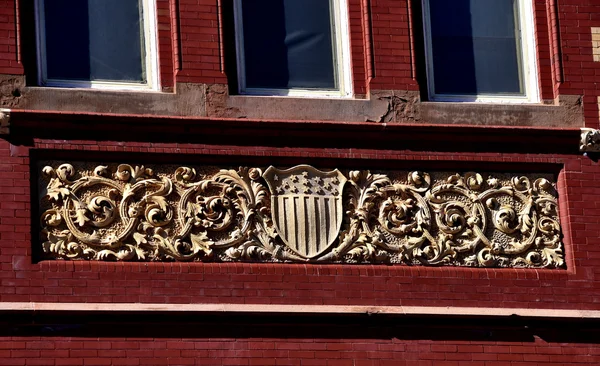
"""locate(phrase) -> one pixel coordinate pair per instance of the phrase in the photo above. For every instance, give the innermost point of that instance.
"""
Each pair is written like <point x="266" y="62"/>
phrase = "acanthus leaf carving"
<point x="301" y="214"/>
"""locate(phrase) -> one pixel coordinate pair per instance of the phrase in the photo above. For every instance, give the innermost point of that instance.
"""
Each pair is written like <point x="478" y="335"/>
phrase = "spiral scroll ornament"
<point x="135" y="213"/>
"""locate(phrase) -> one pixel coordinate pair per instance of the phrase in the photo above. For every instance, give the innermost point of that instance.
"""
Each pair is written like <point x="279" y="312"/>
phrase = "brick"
<point x="383" y="57"/>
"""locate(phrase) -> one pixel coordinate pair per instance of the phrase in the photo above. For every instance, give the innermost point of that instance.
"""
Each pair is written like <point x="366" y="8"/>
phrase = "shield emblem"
<point x="306" y="205"/>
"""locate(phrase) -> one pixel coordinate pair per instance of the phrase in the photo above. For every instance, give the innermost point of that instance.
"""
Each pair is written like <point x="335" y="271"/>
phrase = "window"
<point x="480" y="50"/>
<point x="292" y="47"/>
<point x="97" y="43"/>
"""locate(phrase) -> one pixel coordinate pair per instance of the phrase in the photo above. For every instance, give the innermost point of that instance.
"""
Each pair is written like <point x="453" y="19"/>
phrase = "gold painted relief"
<point x="135" y="213"/>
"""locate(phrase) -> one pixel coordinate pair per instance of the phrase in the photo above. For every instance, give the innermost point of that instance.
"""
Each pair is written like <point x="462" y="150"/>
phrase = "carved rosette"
<point x="299" y="215"/>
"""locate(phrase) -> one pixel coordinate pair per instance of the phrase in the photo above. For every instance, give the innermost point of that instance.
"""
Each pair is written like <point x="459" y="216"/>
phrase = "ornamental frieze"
<point x="301" y="214"/>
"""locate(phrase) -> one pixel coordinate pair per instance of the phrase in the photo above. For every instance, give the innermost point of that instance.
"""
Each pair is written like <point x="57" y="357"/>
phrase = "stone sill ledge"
<point x="213" y="100"/>
<point x="567" y="113"/>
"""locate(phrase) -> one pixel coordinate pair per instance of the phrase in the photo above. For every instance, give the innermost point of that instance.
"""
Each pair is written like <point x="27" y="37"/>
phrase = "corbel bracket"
<point x="4" y="121"/>
<point x="590" y="140"/>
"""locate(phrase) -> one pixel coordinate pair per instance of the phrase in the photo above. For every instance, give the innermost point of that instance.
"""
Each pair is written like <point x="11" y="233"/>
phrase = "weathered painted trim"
<point x="302" y="309"/>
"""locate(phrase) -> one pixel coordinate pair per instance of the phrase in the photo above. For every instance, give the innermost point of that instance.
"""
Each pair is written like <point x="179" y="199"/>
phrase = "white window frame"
<point x="528" y="63"/>
<point x="151" y="55"/>
<point x="341" y="43"/>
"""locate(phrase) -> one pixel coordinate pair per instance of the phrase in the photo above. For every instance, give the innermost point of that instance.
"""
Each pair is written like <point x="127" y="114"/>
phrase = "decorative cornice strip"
<point x="301" y="214"/>
<point x="301" y="309"/>
<point x="590" y="140"/>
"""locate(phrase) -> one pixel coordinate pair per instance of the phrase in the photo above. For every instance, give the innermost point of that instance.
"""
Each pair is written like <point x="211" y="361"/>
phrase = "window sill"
<point x="317" y="108"/>
<point x="202" y="100"/>
<point x="187" y="101"/>
<point x="568" y="113"/>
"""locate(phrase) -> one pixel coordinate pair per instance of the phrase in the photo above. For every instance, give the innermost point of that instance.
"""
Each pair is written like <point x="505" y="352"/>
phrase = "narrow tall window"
<point x="292" y="47"/>
<point x="96" y="43"/>
<point x="480" y="50"/>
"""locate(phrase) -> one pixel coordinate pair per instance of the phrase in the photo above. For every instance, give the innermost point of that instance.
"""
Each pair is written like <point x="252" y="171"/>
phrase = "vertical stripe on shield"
<point x="322" y="222"/>
<point x="279" y="216"/>
<point x="332" y="224"/>
<point x="300" y="224"/>
<point x="307" y="223"/>
<point x="313" y="246"/>
<point x="289" y="222"/>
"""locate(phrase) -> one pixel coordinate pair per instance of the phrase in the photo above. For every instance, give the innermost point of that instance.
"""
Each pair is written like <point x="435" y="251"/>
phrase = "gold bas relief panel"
<point x="301" y="214"/>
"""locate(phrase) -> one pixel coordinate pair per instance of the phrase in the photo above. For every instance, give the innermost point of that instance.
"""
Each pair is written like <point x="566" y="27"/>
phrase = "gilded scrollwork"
<point x="134" y="213"/>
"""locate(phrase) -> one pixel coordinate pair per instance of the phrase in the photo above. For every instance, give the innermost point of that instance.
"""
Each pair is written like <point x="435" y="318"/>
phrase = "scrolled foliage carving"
<point x="134" y="213"/>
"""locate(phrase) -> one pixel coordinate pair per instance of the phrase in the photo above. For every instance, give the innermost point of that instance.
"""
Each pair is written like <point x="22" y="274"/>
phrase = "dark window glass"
<point x="288" y="44"/>
<point x="94" y="40"/>
<point x="475" y="47"/>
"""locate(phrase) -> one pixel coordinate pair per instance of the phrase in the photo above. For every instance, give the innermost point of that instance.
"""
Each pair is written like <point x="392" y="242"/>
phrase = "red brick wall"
<point x="359" y="45"/>
<point x="580" y="71"/>
<point x="79" y="281"/>
<point x="10" y="62"/>
<point x="544" y="15"/>
<point x="384" y="56"/>
<point x="554" y="56"/>
<point x="201" y="49"/>
<point x="166" y="35"/>
<point x="393" y="48"/>
<point x="301" y="352"/>
<point x="307" y="341"/>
